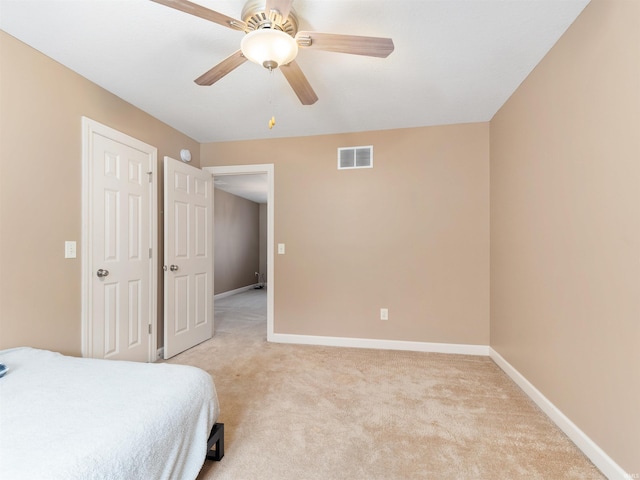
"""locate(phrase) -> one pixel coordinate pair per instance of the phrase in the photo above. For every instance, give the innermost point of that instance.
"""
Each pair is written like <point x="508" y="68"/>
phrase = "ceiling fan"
<point x="272" y="40"/>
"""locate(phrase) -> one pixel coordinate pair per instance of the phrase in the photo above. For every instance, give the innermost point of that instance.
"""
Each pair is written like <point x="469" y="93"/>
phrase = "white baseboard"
<point x="381" y="344"/>
<point x="234" y="292"/>
<point x="599" y="458"/>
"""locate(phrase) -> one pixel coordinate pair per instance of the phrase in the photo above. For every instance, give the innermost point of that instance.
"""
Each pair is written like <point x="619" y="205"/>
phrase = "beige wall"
<point x="410" y="235"/>
<point x="236" y="241"/>
<point x="42" y="104"/>
<point x="565" y="227"/>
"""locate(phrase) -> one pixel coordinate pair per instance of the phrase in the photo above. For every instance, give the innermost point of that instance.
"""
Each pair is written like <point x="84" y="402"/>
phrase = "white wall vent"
<point x="355" y="157"/>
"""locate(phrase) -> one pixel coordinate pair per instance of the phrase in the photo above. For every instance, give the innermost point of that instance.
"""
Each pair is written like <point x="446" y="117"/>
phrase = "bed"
<point x="77" y="418"/>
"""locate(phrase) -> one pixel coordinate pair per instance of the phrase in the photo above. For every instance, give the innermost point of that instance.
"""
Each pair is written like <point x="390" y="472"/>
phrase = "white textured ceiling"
<point x="455" y="61"/>
<point x="252" y="187"/>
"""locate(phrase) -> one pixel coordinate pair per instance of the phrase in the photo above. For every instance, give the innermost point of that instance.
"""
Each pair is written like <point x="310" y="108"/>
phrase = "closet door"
<point x="119" y="271"/>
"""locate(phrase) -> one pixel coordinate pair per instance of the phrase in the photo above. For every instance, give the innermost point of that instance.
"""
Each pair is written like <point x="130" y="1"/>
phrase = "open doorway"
<point x="257" y="186"/>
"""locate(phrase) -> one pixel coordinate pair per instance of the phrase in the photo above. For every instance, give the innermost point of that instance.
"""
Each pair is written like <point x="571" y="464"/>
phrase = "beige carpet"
<point x="306" y="412"/>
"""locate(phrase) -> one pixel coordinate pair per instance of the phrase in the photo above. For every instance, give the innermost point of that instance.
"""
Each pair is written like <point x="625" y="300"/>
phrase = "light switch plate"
<point x="281" y="249"/>
<point x="69" y="249"/>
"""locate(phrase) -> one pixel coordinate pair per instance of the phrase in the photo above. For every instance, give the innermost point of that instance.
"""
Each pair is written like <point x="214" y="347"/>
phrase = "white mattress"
<point x="77" y="418"/>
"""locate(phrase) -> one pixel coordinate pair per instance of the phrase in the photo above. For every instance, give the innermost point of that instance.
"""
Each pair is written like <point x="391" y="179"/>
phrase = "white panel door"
<point x="121" y="235"/>
<point x="188" y="254"/>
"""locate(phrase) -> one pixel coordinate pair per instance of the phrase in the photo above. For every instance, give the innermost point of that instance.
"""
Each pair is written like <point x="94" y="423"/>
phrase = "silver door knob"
<point x="102" y="273"/>
<point x="173" y="268"/>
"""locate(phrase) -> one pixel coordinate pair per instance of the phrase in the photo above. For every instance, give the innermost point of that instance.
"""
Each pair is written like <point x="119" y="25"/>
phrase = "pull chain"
<point x="272" y="120"/>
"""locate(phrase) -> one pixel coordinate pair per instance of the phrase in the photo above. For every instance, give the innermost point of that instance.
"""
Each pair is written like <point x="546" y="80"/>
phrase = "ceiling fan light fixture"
<point x="269" y="47"/>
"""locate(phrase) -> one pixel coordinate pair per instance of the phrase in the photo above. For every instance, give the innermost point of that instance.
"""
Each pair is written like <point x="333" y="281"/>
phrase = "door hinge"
<point x="151" y="253"/>
<point x="149" y="329"/>
<point x="150" y="176"/>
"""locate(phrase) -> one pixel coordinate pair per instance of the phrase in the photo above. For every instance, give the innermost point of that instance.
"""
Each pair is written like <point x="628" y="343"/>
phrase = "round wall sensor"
<point x="185" y="155"/>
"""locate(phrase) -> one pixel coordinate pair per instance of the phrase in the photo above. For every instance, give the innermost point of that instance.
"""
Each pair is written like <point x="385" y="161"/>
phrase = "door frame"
<point x="89" y="128"/>
<point x="265" y="168"/>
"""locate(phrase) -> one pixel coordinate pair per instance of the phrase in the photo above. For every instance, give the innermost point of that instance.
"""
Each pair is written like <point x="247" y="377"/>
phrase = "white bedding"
<point x="78" y="418"/>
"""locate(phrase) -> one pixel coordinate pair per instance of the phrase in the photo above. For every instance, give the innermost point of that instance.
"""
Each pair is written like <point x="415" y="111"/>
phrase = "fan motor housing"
<point x="256" y="17"/>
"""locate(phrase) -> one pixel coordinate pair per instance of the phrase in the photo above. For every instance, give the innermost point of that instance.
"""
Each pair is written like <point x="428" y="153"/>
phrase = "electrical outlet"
<point x="384" y="314"/>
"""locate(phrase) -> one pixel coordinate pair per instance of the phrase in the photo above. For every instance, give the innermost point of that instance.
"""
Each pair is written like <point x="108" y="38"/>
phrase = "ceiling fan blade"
<point x="230" y="63"/>
<point x="354" y="44"/>
<point x="299" y="83"/>
<point x="203" y="12"/>
<point x="282" y="6"/>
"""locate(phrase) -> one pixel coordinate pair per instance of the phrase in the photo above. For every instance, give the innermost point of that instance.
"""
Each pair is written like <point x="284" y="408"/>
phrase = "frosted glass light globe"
<point x="268" y="46"/>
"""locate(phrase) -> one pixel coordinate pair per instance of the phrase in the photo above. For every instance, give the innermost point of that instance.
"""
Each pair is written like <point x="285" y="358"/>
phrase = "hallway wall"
<point x="236" y="241"/>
